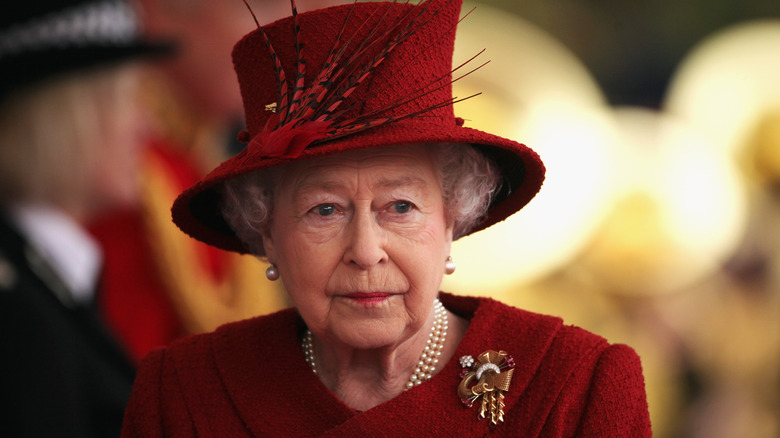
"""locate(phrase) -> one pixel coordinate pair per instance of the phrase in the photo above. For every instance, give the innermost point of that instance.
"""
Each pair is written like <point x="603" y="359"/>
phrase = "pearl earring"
<point x="272" y="273"/>
<point x="449" y="266"/>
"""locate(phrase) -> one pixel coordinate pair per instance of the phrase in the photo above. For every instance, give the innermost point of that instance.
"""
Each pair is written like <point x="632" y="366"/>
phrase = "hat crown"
<point x="407" y="50"/>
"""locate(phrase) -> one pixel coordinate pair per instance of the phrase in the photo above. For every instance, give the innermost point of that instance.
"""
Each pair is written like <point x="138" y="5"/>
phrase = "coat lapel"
<point x="261" y="366"/>
<point x="264" y="373"/>
<point x="434" y="407"/>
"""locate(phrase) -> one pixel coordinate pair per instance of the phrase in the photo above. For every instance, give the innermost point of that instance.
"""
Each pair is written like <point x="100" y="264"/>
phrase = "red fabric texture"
<point x="250" y="379"/>
<point x="416" y="74"/>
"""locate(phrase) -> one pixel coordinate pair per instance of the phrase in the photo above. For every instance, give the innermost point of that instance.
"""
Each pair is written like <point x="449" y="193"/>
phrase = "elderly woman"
<point x="356" y="180"/>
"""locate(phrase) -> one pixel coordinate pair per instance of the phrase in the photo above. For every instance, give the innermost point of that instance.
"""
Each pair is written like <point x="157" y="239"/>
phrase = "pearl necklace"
<point x="430" y="355"/>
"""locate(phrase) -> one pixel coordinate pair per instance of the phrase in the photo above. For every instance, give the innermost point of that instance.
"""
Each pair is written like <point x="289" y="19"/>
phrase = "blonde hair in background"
<point x="51" y="135"/>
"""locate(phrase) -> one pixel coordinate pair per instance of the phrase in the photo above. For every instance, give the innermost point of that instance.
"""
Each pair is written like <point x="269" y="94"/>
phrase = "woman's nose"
<point x="365" y="241"/>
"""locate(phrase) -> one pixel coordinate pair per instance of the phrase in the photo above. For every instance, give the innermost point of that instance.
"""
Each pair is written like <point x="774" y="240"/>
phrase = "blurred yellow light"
<point x="728" y="81"/>
<point x="538" y="93"/>
<point x="681" y="215"/>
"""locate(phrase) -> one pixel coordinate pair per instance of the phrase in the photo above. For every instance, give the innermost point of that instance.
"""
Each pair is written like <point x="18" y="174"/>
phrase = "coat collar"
<point x="264" y="373"/>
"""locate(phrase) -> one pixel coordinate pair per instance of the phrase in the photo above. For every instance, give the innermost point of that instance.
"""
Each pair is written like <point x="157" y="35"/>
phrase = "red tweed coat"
<point x="249" y="379"/>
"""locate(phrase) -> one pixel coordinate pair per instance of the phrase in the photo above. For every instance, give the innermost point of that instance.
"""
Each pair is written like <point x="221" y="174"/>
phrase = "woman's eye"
<point x="325" y="209"/>
<point x="402" y="207"/>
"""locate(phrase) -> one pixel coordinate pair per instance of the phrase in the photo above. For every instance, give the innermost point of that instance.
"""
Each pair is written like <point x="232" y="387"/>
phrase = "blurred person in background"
<point x="159" y="284"/>
<point x="70" y="135"/>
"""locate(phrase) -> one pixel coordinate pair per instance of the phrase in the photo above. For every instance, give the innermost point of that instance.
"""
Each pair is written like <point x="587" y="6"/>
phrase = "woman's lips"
<point x="369" y="298"/>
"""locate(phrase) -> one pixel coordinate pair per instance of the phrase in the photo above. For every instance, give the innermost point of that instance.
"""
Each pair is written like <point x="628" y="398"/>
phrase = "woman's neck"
<point x="363" y="379"/>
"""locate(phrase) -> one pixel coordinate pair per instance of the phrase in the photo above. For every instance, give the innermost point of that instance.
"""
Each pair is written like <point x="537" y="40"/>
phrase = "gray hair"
<point x="467" y="177"/>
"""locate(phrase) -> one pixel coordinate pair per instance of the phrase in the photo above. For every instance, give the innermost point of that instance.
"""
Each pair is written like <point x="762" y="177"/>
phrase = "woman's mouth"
<point x="369" y="298"/>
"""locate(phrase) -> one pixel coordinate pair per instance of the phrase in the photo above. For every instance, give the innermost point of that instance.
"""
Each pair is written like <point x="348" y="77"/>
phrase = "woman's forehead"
<point x="407" y="165"/>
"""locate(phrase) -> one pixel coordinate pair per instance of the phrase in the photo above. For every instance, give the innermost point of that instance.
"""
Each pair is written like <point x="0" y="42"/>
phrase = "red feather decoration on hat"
<point x="312" y="114"/>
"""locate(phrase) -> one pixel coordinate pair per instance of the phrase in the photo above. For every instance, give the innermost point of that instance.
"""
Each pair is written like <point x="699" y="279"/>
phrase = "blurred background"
<point x="658" y="224"/>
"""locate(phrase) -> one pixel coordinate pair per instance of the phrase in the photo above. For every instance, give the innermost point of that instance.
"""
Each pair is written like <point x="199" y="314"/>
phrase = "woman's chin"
<point x="369" y="335"/>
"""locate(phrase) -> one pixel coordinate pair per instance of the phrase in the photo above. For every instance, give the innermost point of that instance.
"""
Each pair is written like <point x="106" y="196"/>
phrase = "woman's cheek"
<point x="411" y="226"/>
<point x="321" y="233"/>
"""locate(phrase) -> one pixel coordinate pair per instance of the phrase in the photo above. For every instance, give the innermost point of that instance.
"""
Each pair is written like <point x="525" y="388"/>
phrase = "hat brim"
<point x="197" y="210"/>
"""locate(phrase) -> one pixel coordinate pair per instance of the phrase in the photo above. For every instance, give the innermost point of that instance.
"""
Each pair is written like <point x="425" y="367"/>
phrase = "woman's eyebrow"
<point x="310" y="184"/>
<point x="403" y="181"/>
<point x="318" y="184"/>
<point x="307" y="186"/>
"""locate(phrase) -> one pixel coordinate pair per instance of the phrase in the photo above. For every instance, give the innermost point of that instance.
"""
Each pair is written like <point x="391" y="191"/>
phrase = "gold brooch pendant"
<point x="488" y="377"/>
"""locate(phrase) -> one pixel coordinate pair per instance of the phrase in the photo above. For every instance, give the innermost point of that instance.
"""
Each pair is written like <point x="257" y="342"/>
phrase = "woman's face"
<point x="360" y="240"/>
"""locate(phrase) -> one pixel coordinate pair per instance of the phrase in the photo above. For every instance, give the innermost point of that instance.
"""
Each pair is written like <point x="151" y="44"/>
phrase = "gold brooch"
<point x="492" y="371"/>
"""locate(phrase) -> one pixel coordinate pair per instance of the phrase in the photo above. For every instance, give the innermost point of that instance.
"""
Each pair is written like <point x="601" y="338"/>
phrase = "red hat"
<point x="349" y="77"/>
